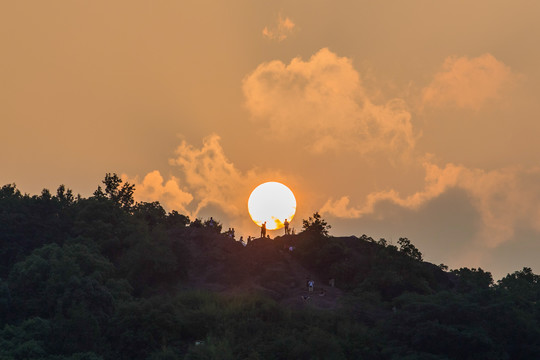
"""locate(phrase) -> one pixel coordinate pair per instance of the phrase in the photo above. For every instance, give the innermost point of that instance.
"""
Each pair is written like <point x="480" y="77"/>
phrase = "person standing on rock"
<point x="286" y="226"/>
<point x="263" y="230"/>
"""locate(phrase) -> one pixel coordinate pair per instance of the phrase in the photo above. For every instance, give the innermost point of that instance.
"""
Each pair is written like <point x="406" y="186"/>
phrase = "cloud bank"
<point x="504" y="198"/>
<point x="323" y="100"/>
<point x="206" y="177"/>
<point x="210" y="175"/>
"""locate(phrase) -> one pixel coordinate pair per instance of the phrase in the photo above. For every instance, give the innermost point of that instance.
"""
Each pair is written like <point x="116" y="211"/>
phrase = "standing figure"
<point x="286" y="226"/>
<point x="263" y="230"/>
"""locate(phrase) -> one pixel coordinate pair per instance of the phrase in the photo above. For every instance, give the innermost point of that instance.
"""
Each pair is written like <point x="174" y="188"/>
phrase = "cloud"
<point x="469" y="83"/>
<point x="209" y="174"/>
<point x="169" y="194"/>
<point x="280" y="31"/>
<point x="206" y="177"/>
<point x="504" y="198"/>
<point x="340" y="208"/>
<point x="322" y="101"/>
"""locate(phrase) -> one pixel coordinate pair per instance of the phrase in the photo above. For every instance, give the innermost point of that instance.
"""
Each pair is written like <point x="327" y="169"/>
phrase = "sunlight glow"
<point x="272" y="202"/>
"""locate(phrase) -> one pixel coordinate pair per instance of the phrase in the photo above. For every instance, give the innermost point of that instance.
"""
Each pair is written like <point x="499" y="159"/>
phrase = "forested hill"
<point x="107" y="278"/>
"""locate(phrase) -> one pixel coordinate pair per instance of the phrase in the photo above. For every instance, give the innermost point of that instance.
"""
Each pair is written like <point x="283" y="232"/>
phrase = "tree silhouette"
<point x="121" y="195"/>
<point x="316" y="225"/>
<point x="406" y="247"/>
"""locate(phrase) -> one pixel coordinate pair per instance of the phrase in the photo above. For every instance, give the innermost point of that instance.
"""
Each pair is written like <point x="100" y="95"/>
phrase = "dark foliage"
<point x="106" y="278"/>
<point x="316" y="225"/>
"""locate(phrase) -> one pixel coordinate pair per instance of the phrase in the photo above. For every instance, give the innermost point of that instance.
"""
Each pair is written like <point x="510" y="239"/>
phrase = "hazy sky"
<point x="413" y="119"/>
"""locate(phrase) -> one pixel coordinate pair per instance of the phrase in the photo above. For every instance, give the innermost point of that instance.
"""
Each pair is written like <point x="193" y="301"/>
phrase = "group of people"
<point x="285" y="226"/>
<point x="230" y="233"/>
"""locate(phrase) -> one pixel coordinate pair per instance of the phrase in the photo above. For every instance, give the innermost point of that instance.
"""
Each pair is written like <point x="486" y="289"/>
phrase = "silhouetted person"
<point x="263" y="230"/>
<point x="249" y="240"/>
<point x="286" y="226"/>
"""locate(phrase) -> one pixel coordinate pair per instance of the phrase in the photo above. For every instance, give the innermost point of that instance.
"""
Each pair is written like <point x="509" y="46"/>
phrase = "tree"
<point x="473" y="279"/>
<point x="53" y="277"/>
<point x="8" y="191"/>
<point x="197" y="223"/>
<point x="316" y="225"/>
<point x="151" y="212"/>
<point x="213" y="225"/>
<point x="176" y="219"/>
<point x="523" y="284"/>
<point x="406" y="247"/>
<point x="65" y="197"/>
<point x="121" y="195"/>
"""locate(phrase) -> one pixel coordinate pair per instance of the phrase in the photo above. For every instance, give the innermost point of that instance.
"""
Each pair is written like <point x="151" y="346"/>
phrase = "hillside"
<point x="266" y="268"/>
<point x="107" y="278"/>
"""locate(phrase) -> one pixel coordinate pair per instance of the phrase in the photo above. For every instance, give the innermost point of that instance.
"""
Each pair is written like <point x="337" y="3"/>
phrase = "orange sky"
<point x="416" y="119"/>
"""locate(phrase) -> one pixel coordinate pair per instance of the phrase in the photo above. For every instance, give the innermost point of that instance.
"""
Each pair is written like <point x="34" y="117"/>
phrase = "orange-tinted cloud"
<point x="205" y="177"/>
<point x="210" y="175"/>
<point x="504" y="198"/>
<point x="322" y="102"/>
<point x="469" y="82"/>
<point x="169" y="194"/>
<point x="280" y="31"/>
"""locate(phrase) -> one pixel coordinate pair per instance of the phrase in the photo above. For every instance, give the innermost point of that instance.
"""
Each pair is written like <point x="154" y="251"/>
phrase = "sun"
<point x="272" y="202"/>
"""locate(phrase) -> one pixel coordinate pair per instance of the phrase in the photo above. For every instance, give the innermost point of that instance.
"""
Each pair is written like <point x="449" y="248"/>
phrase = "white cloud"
<point x="322" y="102"/>
<point x="280" y="31"/>
<point x="469" y="83"/>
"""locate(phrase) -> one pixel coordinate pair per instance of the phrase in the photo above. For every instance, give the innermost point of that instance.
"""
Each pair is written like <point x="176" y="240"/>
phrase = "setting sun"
<point x="272" y="202"/>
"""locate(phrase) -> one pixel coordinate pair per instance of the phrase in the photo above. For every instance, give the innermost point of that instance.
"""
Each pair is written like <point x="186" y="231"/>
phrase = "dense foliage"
<point x="107" y="278"/>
